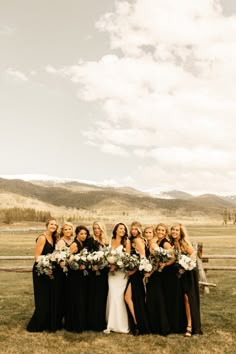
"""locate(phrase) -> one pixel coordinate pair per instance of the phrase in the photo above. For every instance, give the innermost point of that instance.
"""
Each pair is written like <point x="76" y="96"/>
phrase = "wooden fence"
<point x="201" y="263"/>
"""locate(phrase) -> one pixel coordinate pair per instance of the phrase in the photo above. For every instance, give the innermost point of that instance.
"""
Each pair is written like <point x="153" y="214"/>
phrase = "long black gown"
<point x="47" y="304"/>
<point x="62" y="290"/>
<point x="77" y="307"/>
<point x="189" y="283"/>
<point x="98" y="289"/>
<point x="174" y="296"/>
<point x="156" y="302"/>
<point x="138" y="298"/>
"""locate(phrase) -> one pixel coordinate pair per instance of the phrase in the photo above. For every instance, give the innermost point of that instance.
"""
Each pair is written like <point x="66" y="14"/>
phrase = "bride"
<point x="116" y="313"/>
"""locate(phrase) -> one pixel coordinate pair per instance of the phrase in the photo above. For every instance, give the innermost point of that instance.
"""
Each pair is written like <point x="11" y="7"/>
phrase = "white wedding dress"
<point x="116" y="313"/>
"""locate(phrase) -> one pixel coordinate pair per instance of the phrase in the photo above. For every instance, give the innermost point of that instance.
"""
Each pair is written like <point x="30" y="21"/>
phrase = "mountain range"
<point x="91" y="197"/>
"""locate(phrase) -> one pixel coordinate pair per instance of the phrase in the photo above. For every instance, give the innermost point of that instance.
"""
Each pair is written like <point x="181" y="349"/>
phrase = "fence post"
<point x="201" y="271"/>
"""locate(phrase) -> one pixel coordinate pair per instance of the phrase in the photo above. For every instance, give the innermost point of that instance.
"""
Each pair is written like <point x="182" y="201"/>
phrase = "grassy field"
<point x="217" y="308"/>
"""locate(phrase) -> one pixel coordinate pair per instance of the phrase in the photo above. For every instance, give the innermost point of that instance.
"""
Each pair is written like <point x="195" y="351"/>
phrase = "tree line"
<point x="10" y="215"/>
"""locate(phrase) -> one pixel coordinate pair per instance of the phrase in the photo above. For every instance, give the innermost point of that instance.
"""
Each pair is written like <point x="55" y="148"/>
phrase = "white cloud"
<point x="169" y="96"/>
<point x="16" y="75"/>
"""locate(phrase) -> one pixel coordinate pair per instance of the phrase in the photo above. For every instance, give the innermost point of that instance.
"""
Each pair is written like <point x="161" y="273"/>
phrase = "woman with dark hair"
<point x="116" y="313"/>
<point x="188" y="280"/>
<point x="135" y="292"/>
<point x="45" y="317"/>
<point x="77" y="307"/>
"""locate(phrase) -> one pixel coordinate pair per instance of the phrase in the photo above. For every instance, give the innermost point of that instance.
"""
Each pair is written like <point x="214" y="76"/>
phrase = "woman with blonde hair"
<point x="66" y="236"/>
<point x="155" y="300"/>
<point x="98" y="283"/>
<point x="188" y="282"/>
<point x="63" y="244"/>
<point x="135" y="292"/>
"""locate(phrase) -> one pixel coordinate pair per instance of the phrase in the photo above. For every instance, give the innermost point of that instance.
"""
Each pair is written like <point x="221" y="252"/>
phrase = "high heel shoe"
<point x="188" y="332"/>
<point x="135" y="331"/>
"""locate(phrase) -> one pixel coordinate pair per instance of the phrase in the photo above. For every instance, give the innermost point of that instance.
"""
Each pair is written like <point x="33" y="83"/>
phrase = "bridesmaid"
<point x="189" y="281"/>
<point x="155" y="300"/>
<point x="66" y="239"/>
<point x="135" y="292"/>
<point x="66" y="236"/>
<point x="116" y="313"/>
<point x="98" y="283"/>
<point x="45" y="317"/>
<point x="76" y="315"/>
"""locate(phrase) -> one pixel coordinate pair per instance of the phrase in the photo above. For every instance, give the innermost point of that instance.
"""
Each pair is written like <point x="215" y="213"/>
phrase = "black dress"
<point x="46" y="315"/>
<point x="156" y="302"/>
<point x="98" y="289"/>
<point x="174" y="297"/>
<point x="77" y="307"/>
<point x="189" y="283"/>
<point x="62" y="290"/>
<point x="138" y="298"/>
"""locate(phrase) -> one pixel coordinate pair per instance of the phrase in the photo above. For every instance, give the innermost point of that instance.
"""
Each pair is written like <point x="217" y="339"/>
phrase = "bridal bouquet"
<point x="45" y="265"/>
<point x="185" y="262"/>
<point x="75" y="261"/>
<point x="97" y="260"/>
<point x="160" y="255"/>
<point x="114" y="259"/>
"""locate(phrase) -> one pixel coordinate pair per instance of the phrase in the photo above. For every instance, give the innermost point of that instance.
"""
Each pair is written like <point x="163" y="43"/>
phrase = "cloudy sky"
<point x="139" y="93"/>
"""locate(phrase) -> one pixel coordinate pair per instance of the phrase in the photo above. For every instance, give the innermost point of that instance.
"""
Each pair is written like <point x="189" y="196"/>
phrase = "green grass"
<point x="217" y="308"/>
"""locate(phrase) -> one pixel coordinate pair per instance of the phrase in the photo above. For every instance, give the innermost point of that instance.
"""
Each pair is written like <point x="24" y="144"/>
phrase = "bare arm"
<point x="128" y="246"/>
<point x="190" y="249"/>
<point x="39" y="246"/>
<point x="139" y="245"/>
<point x="60" y="244"/>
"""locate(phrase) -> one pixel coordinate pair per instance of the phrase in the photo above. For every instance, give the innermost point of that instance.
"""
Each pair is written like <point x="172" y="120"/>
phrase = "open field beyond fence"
<point x="217" y="307"/>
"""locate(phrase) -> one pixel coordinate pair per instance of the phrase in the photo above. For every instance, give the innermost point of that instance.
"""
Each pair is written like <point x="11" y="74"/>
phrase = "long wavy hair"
<point x="82" y="227"/>
<point x="55" y="235"/>
<point x="183" y="240"/>
<point x="165" y="227"/>
<point x="103" y="231"/>
<point x="138" y="225"/>
<point x="123" y="239"/>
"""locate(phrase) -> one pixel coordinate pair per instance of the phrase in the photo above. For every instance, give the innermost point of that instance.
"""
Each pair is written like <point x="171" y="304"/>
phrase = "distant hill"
<point x="89" y="197"/>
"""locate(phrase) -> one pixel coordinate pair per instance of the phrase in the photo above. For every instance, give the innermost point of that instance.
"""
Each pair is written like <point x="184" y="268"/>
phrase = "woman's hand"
<point x="82" y="267"/>
<point x="147" y="275"/>
<point x="112" y="267"/>
<point x="62" y="264"/>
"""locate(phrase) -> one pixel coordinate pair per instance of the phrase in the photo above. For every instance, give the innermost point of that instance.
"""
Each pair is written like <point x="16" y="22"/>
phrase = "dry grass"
<point x="218" y="320"/>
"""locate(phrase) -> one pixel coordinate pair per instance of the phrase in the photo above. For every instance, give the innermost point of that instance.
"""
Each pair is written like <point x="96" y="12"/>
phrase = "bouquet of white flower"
<point x="187" y="262"/>
<point x="130" y="262"/>
<point x="45" y="265"/>
<point x="97" y="261"/>
<point x="61" y="257"/>
<point x="114" y="259"/>
<point x="160" y="255"/>
<point x="78" y="261"/>
<point x="145" y="265"/>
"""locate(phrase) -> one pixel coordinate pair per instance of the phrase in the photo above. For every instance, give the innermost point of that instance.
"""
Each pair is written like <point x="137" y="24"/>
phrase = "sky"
<point x="134" y="93"/>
